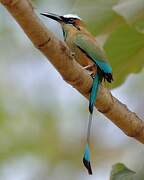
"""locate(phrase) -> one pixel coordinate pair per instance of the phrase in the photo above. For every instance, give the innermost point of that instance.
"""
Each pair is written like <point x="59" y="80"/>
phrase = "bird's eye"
<point x="71" y="21"/>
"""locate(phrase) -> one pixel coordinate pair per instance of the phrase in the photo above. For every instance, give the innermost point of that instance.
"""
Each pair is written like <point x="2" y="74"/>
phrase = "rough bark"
<point x="60" y="56"/>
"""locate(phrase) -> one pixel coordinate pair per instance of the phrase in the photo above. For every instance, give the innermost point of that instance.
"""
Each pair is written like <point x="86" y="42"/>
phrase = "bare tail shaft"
<point x="89" y="128"/>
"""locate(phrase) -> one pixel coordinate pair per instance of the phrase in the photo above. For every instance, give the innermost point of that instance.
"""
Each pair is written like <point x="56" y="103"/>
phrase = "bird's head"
<point x="68" y="19"/>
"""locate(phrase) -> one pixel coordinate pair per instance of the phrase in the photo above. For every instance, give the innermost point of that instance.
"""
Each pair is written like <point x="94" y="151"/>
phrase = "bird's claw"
<point x="92" y="75"/>
<point x="89" y="67"/>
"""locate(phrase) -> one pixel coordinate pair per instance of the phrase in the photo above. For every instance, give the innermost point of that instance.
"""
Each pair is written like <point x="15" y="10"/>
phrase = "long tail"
<point x="93" y="94"/>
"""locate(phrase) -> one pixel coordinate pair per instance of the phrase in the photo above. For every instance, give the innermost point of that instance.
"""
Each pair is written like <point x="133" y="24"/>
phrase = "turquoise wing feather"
<point x="91" y="48"/>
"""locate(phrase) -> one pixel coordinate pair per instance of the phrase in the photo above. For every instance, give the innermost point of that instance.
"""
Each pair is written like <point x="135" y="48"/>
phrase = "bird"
<point x="88" y="53"/>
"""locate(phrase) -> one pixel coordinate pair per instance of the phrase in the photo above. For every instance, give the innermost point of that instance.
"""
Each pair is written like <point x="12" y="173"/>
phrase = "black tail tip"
<point x="91" y="107"/>
<point x="87" y="165"/>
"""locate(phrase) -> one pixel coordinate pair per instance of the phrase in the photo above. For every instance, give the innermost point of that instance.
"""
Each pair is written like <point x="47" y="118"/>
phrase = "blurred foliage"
<point x="98" y="14"/>
<point x="125" y="49"/>
<point x="121" y="172"/>
<point x="132" y="11"/>
<point x="122" y="22"/>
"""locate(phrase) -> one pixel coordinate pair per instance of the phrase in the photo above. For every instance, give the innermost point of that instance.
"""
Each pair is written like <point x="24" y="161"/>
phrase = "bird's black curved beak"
<point x="53" y="16"/>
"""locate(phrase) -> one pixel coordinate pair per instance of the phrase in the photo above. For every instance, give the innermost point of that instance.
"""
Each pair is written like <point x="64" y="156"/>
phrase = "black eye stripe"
<point x="70" y="20"/>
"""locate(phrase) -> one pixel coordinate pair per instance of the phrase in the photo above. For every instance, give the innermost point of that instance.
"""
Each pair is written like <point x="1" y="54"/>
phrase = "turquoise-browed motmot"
<point x="88" y="53"/>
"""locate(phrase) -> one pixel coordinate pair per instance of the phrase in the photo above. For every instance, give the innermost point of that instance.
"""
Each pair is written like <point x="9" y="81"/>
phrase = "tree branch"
<point x="60" y="56"/>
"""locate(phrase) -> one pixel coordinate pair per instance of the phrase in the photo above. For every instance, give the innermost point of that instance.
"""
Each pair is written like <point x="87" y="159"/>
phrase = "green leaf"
<point x="121" y="172"/>
<point x="125" y="50"/>
<point x="116" y="20"/>
<point x="132" y="11"/>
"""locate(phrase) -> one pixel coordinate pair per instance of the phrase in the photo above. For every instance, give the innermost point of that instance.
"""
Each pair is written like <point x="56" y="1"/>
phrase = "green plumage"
<point x="93" y="51"/>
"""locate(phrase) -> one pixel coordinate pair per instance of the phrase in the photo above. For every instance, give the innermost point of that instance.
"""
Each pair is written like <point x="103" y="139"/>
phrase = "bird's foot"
<point x="89" y="67"/>
<point x="92" y="74"/>
<point x="91" y="70"/>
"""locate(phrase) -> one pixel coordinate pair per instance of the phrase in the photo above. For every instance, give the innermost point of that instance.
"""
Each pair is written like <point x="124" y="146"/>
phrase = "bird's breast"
<point x="79" y="55"/>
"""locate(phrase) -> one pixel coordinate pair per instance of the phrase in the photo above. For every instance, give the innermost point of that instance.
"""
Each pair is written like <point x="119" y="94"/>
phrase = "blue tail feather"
<point x="87" y="153"/>
<point x="93" y="93"/>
